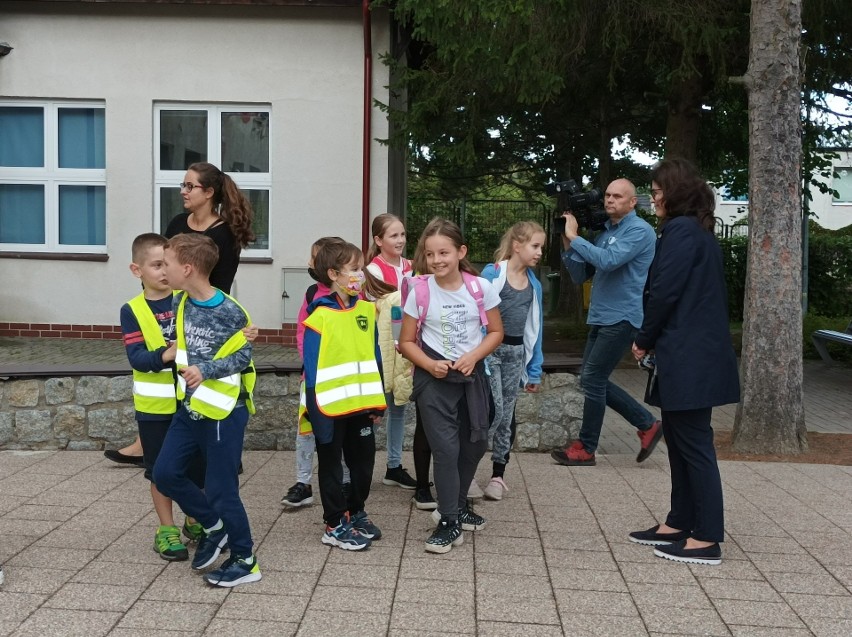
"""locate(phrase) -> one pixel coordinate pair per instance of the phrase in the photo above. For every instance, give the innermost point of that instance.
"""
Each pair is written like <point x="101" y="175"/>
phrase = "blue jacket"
<point x="619" y="260"/>
<point x="496" y="273"/>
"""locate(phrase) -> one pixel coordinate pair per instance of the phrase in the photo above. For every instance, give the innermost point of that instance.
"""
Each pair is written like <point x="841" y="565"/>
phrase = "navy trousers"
<point x="696" y="503"/>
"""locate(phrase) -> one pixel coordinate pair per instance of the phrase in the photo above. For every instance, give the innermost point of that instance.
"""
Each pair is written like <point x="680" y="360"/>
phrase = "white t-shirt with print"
<point x="452" y="326"/>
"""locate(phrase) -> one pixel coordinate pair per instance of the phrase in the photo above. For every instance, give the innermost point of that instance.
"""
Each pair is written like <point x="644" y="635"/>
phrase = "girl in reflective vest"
<point x="343" y="393"/>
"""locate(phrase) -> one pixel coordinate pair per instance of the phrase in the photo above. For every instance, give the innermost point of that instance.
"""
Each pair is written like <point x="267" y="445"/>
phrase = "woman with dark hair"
<point x="217" y="208"/>
<point x="685" y="326"/>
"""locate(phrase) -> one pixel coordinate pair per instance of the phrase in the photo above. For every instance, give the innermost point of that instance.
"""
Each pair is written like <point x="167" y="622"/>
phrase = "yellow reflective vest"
<point x="153" y="392"/>
<point x="347" y="374"/>
<point x="215" y="398"/>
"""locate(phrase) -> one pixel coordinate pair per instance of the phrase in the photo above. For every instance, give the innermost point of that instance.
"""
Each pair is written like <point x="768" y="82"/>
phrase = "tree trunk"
<point x="770" y="417"/>
<point x="684" y="116"/>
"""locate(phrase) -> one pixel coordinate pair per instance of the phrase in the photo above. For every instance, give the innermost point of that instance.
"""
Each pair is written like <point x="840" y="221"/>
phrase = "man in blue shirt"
<point x="618" y="260"/>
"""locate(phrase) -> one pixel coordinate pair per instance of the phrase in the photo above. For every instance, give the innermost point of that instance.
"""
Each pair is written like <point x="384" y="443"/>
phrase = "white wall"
<point x="306" y="62"/>
<point x="826" y="213"/>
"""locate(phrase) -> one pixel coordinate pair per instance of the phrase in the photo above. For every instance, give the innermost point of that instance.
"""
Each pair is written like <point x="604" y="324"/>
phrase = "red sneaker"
<point x="649" y="439"/>
<point x="574" y="456"/>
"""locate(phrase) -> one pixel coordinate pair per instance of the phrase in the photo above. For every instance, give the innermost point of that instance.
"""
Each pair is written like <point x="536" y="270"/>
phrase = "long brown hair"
<point x="378" y="228"/>
<point x="444" y="228"/>
<point x="228" y="200"/>
<point x="375" y="287"/>
<point x="684" y="191"/>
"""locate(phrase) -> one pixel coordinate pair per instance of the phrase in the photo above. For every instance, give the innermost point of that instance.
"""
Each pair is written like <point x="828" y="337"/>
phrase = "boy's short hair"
<point x="197" y="250"/>
<point x="335" y="256"/>
<point x="145" y="242"/>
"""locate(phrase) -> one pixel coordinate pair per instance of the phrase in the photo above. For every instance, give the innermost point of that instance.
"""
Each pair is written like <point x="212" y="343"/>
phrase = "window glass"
<point x="21" y="136"/>
<point x="82" y="215"/>
<point x="21" y="213"/>
<point x="81" y="138"/>
<point x="259" y="200"/>
<point x="245" y="142"/>
<point x="171" y="205"/>
<point x="843" y="184"/>
<point x="183" y="138"/>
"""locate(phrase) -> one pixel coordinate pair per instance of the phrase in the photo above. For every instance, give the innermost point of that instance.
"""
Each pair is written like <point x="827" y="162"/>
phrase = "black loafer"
<point x="652" y="538"/>
<point x="116" y="456"/>
<point x="677" y="552"/>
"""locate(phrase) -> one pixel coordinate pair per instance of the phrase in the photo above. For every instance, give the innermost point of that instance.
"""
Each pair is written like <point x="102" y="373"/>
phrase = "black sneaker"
<point x="652" y="538"/>
<point x="423" y="499"/>
<point x="445" y="536"/>
<point x="468" y="520"/>
<point x="299" y="495"/>
<point x="398" y="476"/>
<point x="209" y="547"/>
<point x="678" y="552"/>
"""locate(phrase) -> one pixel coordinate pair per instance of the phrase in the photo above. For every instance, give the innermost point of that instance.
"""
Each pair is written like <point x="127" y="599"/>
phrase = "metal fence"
<point x="482" y="221"/>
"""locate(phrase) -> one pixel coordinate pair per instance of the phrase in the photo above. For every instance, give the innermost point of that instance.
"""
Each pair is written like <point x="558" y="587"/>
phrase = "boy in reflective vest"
<point x="147" y="325"/>
<point x="343" y="393"/>
<point x="215" y="382"/>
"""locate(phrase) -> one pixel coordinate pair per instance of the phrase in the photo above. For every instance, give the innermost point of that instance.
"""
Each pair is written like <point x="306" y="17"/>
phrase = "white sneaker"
<point x="495" y="489"/>
<point x="474" y="492"/>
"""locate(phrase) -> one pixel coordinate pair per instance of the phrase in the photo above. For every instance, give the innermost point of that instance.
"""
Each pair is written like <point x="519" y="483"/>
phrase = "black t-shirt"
<point x="225" y="269"/>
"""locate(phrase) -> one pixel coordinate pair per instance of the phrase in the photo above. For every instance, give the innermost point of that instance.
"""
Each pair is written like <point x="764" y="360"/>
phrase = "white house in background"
<point x="827" y="210"/>
<point x="104" y="104"/>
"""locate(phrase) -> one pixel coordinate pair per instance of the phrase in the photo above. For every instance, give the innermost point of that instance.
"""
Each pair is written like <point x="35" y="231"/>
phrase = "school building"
<point x="103" y="105"/>
<point x="831" y="210"/>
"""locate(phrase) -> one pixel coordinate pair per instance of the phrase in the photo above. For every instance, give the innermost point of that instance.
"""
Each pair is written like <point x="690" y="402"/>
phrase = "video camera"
<point x="585" y="205"/>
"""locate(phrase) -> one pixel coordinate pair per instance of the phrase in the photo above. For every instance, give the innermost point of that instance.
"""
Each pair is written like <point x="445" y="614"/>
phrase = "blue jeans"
<point x="221" y="444"/>
<point x="395" y="431"/>
<point x="605" y="347"/>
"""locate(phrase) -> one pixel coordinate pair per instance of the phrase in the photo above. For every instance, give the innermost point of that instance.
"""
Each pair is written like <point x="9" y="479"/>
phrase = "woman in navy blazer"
<point x="686" y="326"/>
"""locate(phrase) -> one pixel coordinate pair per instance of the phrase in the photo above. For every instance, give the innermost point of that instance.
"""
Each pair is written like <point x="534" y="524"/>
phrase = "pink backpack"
<point x="420" y="285"/>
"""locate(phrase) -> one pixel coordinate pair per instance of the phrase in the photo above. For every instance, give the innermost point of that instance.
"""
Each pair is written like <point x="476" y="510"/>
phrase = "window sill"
<point x="56" y="256"/>
<point x="261" y="260"/>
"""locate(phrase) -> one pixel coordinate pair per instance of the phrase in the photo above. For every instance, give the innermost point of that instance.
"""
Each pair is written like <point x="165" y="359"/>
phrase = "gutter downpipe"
<point x="367" y="130"/>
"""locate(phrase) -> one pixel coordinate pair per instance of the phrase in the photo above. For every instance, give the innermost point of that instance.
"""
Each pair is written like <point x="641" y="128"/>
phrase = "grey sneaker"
<point x="474" y="492"/>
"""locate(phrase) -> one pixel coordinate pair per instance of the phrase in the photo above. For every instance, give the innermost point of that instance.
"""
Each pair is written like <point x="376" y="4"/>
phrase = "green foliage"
<point x="829" y="282"/>
<point x="814" y="322"/>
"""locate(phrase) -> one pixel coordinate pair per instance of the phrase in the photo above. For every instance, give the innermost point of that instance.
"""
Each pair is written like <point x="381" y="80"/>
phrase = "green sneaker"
<point x="192" y="532"/>
<point x="167" y="544"/>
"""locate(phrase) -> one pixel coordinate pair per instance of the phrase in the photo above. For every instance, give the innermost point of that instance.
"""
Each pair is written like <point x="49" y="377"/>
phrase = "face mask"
<point x="356" y="282"/>
<point x="313" y="274"/>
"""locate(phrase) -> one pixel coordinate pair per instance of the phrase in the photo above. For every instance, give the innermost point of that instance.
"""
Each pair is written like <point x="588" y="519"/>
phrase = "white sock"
<point x="216" y="527"/>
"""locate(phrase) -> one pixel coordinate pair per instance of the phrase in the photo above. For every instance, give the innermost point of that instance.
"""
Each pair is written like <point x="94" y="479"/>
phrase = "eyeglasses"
<point x="188" y="186"/>
<point x="655" y="192"/>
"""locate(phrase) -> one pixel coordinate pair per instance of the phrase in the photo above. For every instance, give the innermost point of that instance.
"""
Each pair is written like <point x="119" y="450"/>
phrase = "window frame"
<point x="52" y="177"/>
<point x="835" y="177"/>
<point x="244" y="180"/>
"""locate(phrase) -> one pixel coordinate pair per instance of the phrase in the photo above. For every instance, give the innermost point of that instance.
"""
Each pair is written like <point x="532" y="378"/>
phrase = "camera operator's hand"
<point x="571" y="227"/>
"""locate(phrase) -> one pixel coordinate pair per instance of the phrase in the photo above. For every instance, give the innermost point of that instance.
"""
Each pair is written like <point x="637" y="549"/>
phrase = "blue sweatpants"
<point x="221" y="444"/>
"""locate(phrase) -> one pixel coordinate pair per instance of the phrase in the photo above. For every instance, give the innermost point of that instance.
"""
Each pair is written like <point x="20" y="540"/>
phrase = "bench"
<point x="821" y="337"/>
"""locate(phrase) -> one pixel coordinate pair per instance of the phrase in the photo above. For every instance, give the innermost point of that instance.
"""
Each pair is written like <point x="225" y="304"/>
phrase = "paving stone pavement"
<point x="77" y="536"/>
